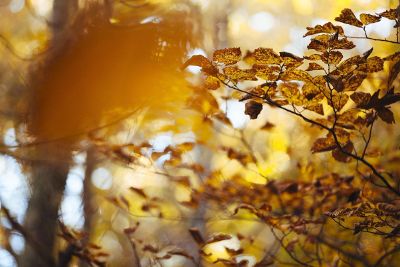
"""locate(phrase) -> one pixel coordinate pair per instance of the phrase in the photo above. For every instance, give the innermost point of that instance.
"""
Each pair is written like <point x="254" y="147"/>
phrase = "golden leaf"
<point x="332" y="57"/>
<point x="266" y="56"/>
<point x="212" y="83"/>
<point x="338" y="101"/>
<point x="236" y="74"/>
<point x="368" y="18"/>
<point x="266" y="72"/>
<point x="347" y="16"/>
<point x="326" y="28"/>
<point x="291" y="93"/>
<point x="227" y="56"/>
<point x="297" y="75"/>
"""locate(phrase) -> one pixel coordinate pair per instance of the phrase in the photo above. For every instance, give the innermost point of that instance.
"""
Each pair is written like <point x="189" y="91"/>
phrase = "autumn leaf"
<point x="343" y="157"/>
<point x="203" y="62"/>
<point x="323" y="145"/>
<point x="347" y="16"/>
<point x="227" y="56"/>
<point x="266" y="56"/>
<point x="316" y="107"/>
<point x="212" y="83"/>
<point x="253" y="109"/>
<point x="389" y="14"/>
<point x="314" y="66"/>
<point x="332" y="57"/>
<point x="236" y="74"/>
<point x="326" y="28"/>
<point x="386" y="115"/>
<point x="374" y="64"/>
<point x="368" y="18"/>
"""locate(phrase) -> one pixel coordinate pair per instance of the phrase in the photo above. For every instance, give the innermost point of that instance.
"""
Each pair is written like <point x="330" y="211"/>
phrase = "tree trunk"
<point x="49" y="170"/>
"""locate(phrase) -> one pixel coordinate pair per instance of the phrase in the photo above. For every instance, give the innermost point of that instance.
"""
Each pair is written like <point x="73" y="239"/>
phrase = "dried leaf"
<point x="389" y="14"/>
<point x="332" y="57"/>
<point x="343" y="157"/>
<point x="326" y="28"/>
<point x="368" y="18"/>
<point x="374" y="64"/>
<point x="317" y="108"/>
<point x="253" y="109"/>
<point x="314" y="66"/>
<point x="361" y="99"/>
<point x="386" y="115"/>
<point x="323" y="145"/>
<point x="347" y="16"/>
<point x="227" y="56"/>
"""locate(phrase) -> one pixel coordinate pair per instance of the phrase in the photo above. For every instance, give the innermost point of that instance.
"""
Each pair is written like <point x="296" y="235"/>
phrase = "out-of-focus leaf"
<point x="196" y="235"/>
<point x="253" y="109"/>
<point x="218" y="238"/>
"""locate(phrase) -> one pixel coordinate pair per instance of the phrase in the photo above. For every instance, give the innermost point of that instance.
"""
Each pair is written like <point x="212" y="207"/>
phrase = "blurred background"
<point x="88" y="124"/>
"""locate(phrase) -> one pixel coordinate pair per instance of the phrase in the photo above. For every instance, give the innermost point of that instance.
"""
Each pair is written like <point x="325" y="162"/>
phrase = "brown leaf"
<point x="342" y="157"/>
<point x="317" y="108"/>
<point x="336" y="82"/>
<point x="253" y="109"/>
<point x="368" y="18"/>
<point x="361" y="99"/>
<point x="227" y="56"/>
<point x="389" y="14"/>
<point x="347" y="16"/>
<point x="374" y="64"/>
<point x="326" y="28"/>
<point x="323" y="145"/>
<point x="394" y="72"/>
<point x="332" y="57"/>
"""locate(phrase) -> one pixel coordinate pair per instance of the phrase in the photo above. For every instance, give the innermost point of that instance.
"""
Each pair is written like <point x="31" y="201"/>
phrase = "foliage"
<point x="318" y="217"/>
